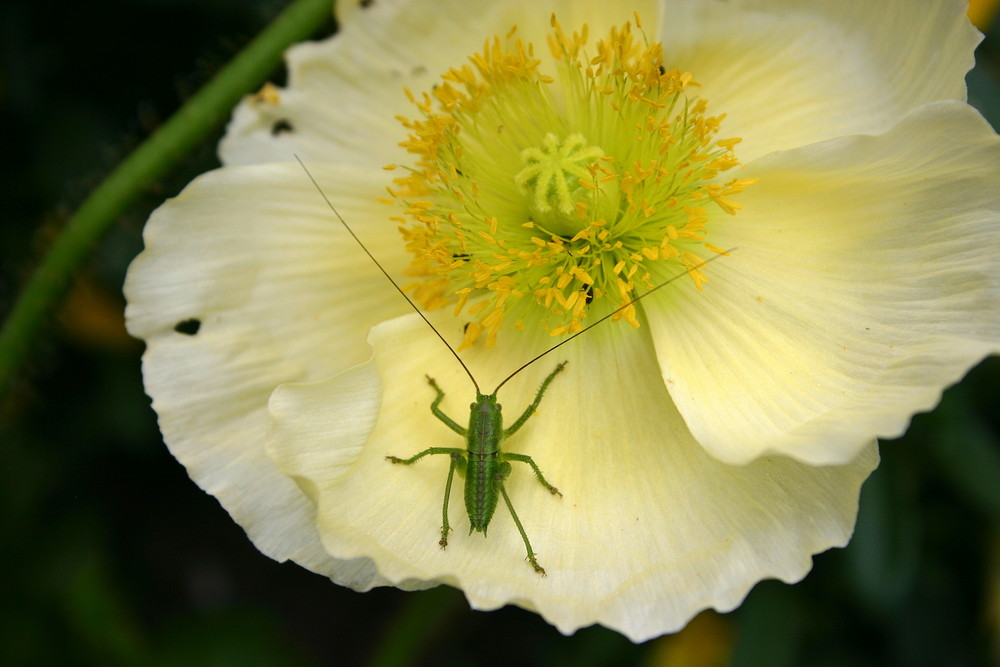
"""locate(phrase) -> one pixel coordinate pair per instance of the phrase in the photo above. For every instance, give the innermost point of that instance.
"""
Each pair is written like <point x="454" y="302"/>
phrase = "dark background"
<point x="114" y="557"/>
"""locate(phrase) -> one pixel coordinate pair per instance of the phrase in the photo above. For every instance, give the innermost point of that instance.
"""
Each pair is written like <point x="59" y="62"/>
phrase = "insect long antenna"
<point x="386" y="274"/>
<point x="607" y="317"/>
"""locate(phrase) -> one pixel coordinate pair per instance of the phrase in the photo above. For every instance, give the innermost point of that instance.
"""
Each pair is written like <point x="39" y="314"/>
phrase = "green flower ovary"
<point x="553" y="171"/>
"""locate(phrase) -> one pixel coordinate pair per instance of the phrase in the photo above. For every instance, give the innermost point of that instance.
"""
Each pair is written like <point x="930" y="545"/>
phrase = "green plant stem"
<point x="202" y="114"/>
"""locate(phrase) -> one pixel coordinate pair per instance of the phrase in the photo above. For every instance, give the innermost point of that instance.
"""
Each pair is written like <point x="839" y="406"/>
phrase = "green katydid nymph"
<point x="482" y="462"/>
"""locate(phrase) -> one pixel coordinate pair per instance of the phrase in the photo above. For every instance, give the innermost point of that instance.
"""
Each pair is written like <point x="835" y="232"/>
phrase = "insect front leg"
<point x="499" y="481"/>
<point x="530" y="410"/>
<point x="439" y="413"/>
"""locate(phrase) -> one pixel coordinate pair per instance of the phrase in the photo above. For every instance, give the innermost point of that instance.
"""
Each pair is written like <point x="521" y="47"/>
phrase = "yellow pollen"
<point x="549" y="189"/>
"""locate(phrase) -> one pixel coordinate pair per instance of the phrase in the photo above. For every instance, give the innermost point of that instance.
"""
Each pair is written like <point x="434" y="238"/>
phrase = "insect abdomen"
<point x="483" y="471"/>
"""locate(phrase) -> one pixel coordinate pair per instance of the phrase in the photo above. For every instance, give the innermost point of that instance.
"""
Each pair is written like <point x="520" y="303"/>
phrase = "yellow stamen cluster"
<point x="543" y="196"/>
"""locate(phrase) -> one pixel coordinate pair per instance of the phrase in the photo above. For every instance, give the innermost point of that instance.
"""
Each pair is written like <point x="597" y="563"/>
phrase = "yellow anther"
<point x="502" y="148"/>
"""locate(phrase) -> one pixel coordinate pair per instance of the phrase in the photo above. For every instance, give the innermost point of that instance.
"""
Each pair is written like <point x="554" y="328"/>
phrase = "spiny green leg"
<point x="517" y="522"/>
<point x="439" y="413"/>
<point x="426" y="452"/>
<point x="457" y="458"/>
<point x="530" y="410"/>
<point x="524" y="458"/>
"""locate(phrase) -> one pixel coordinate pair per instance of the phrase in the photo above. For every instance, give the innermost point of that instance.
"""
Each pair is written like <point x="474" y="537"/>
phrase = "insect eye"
<point x="472" y="406"/>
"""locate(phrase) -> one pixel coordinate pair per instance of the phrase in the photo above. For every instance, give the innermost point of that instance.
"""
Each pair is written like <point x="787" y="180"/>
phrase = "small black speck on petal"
<point x="188" y="327"/>
<point x="281" y="127"/>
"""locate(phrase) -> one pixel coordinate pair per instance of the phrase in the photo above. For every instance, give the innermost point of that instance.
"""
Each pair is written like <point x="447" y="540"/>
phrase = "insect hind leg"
<point x="524" y="536"/>
<point x="457" y="459"/>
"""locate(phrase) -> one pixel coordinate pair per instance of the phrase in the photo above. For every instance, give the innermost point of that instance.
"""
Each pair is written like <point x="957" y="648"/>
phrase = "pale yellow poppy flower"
<point x="714" y="436"/>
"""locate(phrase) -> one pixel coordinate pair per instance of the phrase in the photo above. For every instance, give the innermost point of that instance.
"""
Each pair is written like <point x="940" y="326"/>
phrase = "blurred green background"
<point x="114" y="557"/>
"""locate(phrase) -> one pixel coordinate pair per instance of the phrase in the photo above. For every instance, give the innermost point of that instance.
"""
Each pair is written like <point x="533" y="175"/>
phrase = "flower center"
<point x="553" y="171"/>
<point x="550" y="196"/>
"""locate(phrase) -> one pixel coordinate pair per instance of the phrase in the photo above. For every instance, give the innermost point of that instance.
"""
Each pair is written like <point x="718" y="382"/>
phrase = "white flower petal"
<point x="788" y="74"/>
<point x="344" y="93"/>
<point x="865" y="282"/>
<point x="354" y="398"/>
<point x="650" y="529"/>
<point x="279" y="292"/>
